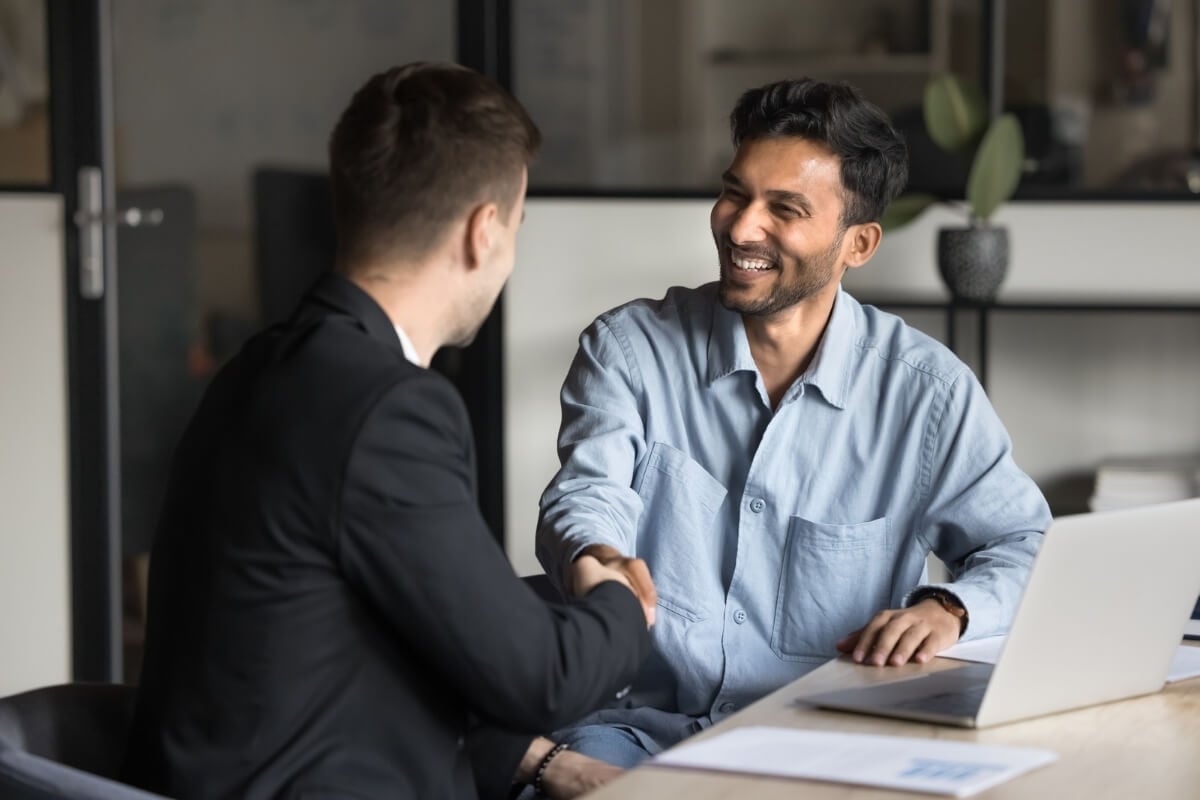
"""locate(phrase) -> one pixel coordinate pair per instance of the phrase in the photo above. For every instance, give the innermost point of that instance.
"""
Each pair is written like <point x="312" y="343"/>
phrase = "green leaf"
<point x="997" y="169"/>
<point x="905" y="209"/>
<point x="955" y="112"/>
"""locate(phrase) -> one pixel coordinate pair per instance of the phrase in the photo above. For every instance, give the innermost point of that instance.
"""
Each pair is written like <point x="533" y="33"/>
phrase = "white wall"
<point x="1076" y="387"/>
<point x="575" y="260"/>
<point x="34" y="552"/>
<point x="1098" y="250"/>
<point x="1072" y="387"/>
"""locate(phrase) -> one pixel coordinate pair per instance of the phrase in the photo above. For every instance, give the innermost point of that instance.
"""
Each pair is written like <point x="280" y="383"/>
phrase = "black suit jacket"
<point x="328" y="614"/>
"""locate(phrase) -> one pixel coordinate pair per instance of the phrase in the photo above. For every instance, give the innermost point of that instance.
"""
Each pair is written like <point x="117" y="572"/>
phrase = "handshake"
<point x="599" y="563"/>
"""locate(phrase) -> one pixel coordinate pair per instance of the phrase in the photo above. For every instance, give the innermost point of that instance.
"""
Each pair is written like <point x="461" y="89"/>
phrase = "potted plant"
<point x="972" y="259"/>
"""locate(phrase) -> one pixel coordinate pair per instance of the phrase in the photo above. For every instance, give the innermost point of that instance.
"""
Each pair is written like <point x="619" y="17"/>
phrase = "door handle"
<point x="132" y="217"/>
<point x="91" y="219"/>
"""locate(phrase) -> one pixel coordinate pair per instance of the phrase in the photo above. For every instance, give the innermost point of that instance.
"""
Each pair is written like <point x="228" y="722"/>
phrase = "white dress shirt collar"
<point x="410" y="352"/>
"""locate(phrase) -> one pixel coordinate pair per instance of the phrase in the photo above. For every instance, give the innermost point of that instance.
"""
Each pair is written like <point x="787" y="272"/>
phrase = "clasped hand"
<point x="600" y="563"/>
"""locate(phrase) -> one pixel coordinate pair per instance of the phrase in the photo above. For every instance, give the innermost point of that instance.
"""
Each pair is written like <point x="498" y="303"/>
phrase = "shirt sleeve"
<point x="600" y="443"/>
<point x="412" y="541"/>
<point x="984" y="516"/>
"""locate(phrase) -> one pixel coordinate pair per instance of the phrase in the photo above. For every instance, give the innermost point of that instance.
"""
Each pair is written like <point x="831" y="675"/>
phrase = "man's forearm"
<point x="538" y="749"/>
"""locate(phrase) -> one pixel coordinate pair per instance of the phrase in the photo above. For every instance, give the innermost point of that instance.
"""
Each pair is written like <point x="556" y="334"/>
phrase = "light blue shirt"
<point x="771" y="535"/>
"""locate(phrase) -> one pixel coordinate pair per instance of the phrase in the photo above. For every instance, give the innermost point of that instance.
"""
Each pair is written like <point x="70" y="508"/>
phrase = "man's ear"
<point x="480" y="234"/>
<point x="864" y="241"/>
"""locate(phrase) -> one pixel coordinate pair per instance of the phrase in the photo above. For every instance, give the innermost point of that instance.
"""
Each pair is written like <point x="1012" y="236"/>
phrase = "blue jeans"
<point x="620" y="745"/>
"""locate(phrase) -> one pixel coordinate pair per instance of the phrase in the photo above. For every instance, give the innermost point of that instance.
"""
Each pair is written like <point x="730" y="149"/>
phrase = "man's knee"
<point x="619" y="745"/>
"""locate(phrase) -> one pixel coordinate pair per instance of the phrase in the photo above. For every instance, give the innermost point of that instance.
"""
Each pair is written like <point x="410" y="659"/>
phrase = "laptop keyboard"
<point x="958" y="703"/>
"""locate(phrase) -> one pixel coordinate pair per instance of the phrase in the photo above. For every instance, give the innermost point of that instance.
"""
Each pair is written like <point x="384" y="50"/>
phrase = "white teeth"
<point x="751" y="264"/>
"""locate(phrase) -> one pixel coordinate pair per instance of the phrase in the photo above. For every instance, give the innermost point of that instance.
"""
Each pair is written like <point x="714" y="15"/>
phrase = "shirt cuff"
<point x="568" y="551"/>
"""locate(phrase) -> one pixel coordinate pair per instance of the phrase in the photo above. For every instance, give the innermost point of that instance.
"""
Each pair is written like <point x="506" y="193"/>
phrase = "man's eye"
<point x="787" y="211"/>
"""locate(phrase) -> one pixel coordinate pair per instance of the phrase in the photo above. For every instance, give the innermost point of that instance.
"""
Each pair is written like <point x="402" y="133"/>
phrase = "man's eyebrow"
<point x="778" y="195"/>
<point x="795" y="198"/>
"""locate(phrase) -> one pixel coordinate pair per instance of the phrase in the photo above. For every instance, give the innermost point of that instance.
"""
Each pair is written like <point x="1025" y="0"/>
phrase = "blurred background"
<point x="217" y="114"/>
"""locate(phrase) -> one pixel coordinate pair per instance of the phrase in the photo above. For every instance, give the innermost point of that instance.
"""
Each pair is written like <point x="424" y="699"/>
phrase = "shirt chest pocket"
<point x="678" y="534"/>
<point x="834" y="578"/>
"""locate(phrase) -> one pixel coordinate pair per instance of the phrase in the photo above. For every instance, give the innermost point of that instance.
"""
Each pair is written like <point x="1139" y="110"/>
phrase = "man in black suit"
<point x="329" y="616"/>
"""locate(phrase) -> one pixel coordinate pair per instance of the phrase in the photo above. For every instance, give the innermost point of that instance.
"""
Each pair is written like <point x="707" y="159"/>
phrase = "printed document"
<point x="957" y="769"/>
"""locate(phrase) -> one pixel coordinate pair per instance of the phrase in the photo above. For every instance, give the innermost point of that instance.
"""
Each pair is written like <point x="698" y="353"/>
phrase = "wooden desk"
<point x="1144" y="748"/>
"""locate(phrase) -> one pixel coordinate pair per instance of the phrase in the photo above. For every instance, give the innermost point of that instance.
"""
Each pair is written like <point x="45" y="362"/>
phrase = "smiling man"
<point x="783" y="457"/>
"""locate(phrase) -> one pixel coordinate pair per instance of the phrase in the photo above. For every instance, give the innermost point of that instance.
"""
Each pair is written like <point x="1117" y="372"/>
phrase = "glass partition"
<point x="24" y="94"/>
<point x="634" y="97"/>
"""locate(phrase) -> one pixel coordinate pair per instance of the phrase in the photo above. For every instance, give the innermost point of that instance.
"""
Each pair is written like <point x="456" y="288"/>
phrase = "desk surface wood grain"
<point x="1143" y="748"/>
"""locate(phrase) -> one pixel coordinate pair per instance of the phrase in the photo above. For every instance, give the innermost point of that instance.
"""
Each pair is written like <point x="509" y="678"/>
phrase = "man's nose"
<point x="747" y="225"/>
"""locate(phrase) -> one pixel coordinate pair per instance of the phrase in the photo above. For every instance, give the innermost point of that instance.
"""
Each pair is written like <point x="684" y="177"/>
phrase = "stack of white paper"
<point x="912" y="764"/>
<point x="1125" y="483"/>
<point x="1185" y="664"/>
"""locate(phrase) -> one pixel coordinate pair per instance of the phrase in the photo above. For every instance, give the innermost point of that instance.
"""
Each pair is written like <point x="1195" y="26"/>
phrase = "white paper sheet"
<point x="1185" y="664"/>
<point x="959" y="769"/>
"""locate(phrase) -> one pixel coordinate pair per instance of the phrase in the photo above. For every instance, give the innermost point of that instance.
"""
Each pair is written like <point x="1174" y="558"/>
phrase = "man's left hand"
<point x="571" y="774"/>
<point x="899" y="635"/>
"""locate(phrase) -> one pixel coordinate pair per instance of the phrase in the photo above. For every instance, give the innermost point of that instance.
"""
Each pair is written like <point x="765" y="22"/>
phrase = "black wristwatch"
<point x="949" y="602"/>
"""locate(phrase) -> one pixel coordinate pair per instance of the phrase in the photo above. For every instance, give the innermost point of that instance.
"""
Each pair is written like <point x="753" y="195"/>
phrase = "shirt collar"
<point x="728" y="347"/>
<point x="831" y="369"/>
<point x="410" y="352"/>
<point x="829" y="372"/>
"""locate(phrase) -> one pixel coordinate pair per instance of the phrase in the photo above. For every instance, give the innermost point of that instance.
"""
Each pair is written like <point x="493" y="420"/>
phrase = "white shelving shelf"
<point x="723" y="58"/>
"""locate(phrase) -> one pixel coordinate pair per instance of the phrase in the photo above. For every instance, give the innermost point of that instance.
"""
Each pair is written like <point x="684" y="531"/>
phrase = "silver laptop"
<point x="1100" y="620"/>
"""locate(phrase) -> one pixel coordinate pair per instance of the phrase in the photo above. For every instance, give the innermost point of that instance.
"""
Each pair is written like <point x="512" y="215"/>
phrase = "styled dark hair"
<point x="417" y="147"/>
<point x="874" y="160"/>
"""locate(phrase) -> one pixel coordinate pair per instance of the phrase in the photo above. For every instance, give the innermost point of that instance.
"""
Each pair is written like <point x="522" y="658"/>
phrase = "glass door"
<point x="222" y="112"/>
<point x="58" y="498"/>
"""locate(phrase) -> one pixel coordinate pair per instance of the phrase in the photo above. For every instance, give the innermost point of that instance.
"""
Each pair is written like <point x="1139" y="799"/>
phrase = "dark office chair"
<point x="66" y="742"/>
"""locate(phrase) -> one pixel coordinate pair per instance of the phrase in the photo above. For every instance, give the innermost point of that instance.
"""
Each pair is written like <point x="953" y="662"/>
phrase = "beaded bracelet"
<point x="538" y="787"/>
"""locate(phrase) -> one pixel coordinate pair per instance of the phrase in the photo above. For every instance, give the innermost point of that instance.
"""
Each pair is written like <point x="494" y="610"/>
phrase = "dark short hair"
<point x="874" y="160"/>
<point x="418" y="146"/>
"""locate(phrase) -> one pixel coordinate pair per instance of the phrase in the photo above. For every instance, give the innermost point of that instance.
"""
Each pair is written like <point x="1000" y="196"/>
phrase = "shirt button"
<point x="727" y="708"/>
<point x="757" y="505"/>
<point x="739" y="616"/>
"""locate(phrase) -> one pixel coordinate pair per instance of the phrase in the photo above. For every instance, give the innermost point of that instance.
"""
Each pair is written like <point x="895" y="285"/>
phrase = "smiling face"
<point x="778" y="225"/>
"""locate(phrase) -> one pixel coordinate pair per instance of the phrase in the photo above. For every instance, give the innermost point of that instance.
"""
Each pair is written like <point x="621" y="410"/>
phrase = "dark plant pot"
<point x="973" y="262"/>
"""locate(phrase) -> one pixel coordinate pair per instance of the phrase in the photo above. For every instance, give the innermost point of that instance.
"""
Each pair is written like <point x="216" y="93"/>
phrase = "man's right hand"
<point x="600" y="562"/>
